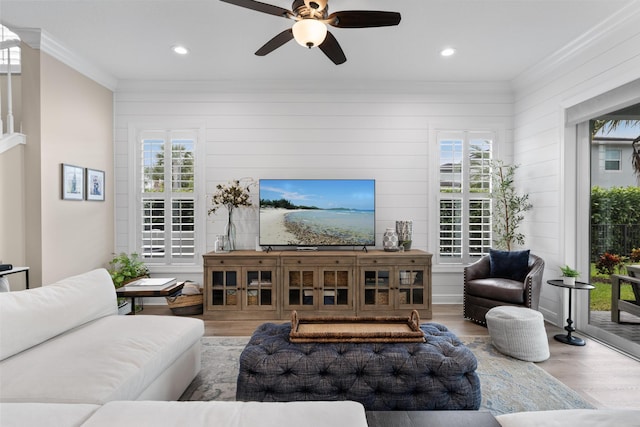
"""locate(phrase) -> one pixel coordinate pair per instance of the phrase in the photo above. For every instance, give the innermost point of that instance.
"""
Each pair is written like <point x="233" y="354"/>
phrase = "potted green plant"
<point x="125" y="268"/>
<point x="569" y="275"/>
<point x="509" y="207"/>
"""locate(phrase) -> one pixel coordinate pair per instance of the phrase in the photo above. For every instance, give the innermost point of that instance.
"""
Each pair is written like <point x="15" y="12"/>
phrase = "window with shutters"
<point x="464" y="193"/>
<point x="167" y="204"/>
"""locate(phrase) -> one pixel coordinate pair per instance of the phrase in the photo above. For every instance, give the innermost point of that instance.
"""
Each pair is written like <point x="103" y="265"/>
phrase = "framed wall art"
<point x="95" y="184"/>
<point x="72" y="182"/>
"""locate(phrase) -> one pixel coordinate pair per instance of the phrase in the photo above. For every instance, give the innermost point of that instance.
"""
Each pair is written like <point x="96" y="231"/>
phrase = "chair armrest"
<point x="618" y="279"/>
<point x="533" y="282"/>
<point x="478" y="270"/>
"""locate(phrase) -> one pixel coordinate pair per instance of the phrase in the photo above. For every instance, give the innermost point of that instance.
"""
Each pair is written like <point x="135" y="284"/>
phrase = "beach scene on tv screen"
<point x="317" y="212"/>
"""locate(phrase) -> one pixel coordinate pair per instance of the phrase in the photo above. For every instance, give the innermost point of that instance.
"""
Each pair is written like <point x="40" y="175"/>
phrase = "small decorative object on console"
<point x="404" y="230"/>
<point x="390" y="240"/>
<point x="221" y="245"/>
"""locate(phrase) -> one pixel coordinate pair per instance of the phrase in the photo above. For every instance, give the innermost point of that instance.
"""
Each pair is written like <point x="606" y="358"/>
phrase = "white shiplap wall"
<point x="285" y="130"/>
<point x="605" y="58"/>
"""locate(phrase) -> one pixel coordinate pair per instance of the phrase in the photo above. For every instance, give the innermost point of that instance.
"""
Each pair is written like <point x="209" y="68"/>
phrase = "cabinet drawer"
<point x="319" y="261"/>
<point x="397" y="261"/>
<point x="375" y="261"/>
<point x="244" y="262"/>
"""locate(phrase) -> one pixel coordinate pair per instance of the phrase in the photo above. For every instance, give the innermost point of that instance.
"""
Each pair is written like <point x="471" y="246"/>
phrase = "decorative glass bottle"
<point x="221" y="244"/>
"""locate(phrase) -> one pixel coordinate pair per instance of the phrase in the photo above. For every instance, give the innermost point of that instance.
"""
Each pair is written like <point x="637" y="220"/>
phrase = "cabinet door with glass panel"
<point x="336" y="289"/>
<point x="376" y="288"/>
<point x="234" y="283"/>
<point x="319" y="283"/>
<point x="411" y="290"/>
<point x="391" y="283"/>
<point x="300" y="288"/>
<point x="223" y="288"/>
<point x="259" y="289"/>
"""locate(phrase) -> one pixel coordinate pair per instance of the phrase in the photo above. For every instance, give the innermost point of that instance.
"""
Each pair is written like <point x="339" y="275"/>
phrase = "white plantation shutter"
<point x="464" y="196"/>
<point x="167" y="202"/>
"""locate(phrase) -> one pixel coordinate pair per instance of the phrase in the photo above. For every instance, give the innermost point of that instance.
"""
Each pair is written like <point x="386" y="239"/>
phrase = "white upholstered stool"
<point x="518" y="332"/>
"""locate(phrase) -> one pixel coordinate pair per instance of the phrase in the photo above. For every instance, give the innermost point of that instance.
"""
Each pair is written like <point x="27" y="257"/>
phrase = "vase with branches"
<point x="235" y="194"/>
<point x="509" y="206"/>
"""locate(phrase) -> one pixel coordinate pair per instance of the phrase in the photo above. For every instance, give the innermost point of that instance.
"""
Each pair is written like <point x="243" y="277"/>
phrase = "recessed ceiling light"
<point x="448" y="51"/>
<point x="180" y="50"/>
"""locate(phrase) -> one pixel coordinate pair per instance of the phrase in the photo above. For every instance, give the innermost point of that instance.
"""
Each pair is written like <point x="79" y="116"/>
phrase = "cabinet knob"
<point x="413" y="261"/>
<point x="221" y="261"/>
<point x="375" y="261"/>
<point x="299" y="262"/>
<point x="260" y="262"/>
<point x="337" y="261"/>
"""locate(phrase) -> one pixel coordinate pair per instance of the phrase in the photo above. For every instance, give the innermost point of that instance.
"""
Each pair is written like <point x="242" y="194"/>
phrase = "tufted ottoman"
<point x="437" y="374"/>
<point x="518" y="332"/>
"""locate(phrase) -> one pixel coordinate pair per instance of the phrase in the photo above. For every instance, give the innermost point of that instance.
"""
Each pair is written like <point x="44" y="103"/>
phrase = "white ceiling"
<point x="496" y="40"/>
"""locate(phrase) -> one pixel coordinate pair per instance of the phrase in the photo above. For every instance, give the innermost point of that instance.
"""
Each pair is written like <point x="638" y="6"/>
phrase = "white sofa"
<point x="68" y="359"/>
<point x="65" y="343"/>
<point x="572" y="418"/>
<point x="179" y="414"/>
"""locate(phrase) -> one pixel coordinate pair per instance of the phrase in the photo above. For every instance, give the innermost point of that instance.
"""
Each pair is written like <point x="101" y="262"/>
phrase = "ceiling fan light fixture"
<point x="309" y="32"/>
<point x="318" y="5"/>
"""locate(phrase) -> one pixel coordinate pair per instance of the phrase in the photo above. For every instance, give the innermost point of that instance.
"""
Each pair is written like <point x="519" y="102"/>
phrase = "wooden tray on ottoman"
<point x="356" y="329"/>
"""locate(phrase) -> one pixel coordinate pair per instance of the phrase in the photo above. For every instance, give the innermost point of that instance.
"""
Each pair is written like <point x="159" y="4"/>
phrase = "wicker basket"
<point x="252" y="298"/>
<point x="382" y="298"/>
<point x="185" y="305"/>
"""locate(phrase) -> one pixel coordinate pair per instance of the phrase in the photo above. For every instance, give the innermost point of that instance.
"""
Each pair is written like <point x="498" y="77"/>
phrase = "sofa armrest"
<point x="32" y="316"/>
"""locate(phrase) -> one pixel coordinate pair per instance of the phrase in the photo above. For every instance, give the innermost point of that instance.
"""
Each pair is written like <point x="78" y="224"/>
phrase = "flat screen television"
<point x="317" y="212"/>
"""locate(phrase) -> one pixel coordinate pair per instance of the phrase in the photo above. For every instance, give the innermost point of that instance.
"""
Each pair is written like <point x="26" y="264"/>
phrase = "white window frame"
<point x="136" y="193"/>
<point x="465" y="196"/>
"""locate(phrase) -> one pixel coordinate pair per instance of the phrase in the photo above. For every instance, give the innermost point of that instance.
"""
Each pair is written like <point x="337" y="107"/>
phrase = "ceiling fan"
<point x="310" y="28"/>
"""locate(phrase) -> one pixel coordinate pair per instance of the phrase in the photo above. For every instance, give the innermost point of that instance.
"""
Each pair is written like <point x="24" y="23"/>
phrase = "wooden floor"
<point x="601" y="375"/>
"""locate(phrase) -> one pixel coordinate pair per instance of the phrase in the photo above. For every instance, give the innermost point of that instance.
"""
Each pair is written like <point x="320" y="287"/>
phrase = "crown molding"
<point x="628" y="15"/>
<point x="38" y="39"/>
<point x="354" y="87"/>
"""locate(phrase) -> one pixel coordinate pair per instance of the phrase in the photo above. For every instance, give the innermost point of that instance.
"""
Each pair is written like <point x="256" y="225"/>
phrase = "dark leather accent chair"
<point x="482" y="293"/>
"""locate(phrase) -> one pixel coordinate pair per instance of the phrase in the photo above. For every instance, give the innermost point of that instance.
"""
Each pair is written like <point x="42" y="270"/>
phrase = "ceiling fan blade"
<point x="332" y="49"/>
<point x="363" y="19"/>
<point x="275" y="42"/>
<point x="261" y="7"/>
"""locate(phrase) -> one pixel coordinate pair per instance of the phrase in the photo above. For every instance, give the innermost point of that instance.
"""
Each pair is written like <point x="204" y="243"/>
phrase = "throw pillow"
<point x="509" y="264"/>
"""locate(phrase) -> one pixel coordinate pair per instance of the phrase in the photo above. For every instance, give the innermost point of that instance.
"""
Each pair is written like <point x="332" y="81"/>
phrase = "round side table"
<point x="569" y="339"/>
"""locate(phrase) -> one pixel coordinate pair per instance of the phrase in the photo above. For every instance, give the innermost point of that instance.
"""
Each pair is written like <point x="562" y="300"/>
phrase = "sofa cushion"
<point x="32" y="316"/>
<point x="509" y="264"/>
<point x="571" y="418"/>
<point x="231" y="414"/>
<point x="111" y="358"/>
<point x="44" y="414"/>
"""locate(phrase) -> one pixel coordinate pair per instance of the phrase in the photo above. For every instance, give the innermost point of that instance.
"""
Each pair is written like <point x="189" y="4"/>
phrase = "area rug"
<point x="508" y="385"/>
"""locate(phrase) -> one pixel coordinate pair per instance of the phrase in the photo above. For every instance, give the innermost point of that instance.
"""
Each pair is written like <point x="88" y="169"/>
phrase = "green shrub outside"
<point x="600" y="297"/>
<point x="617" y="205"/>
